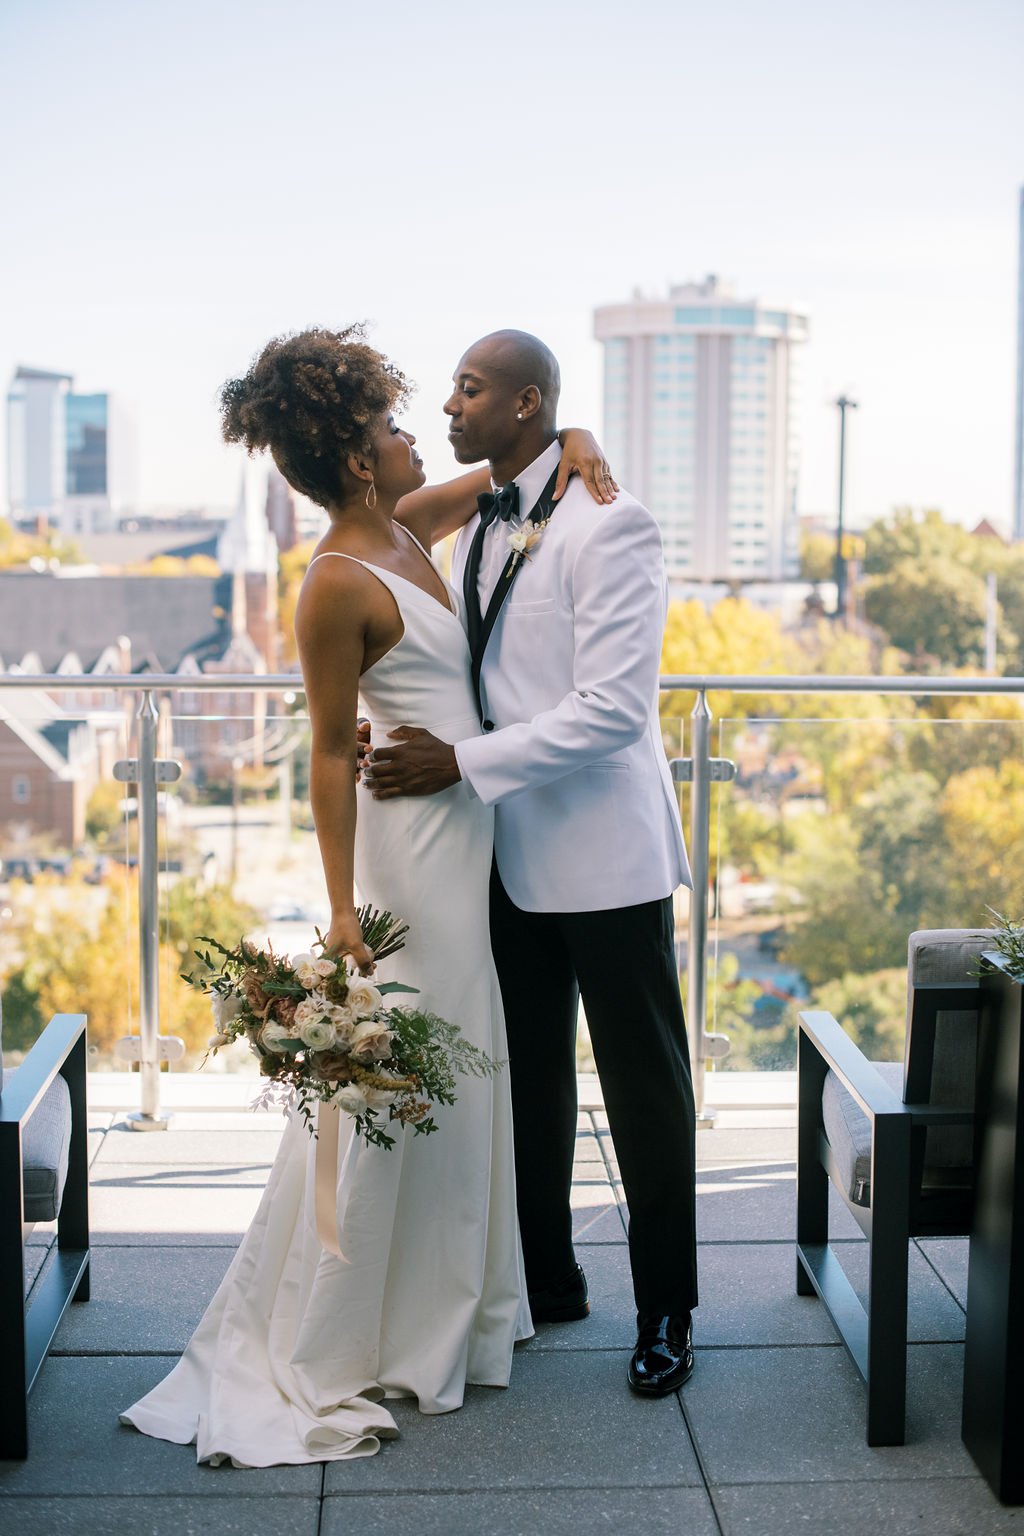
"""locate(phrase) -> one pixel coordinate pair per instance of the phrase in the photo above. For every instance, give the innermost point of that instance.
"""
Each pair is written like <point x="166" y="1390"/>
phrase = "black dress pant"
<point x="622" y="961"/>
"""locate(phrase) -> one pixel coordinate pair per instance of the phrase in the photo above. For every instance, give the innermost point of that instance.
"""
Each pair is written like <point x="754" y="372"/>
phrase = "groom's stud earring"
<point x="371" y="496"/>
<point x="519" y="416"/>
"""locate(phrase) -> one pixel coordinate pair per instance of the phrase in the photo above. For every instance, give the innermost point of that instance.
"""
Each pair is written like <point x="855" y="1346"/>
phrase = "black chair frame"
<point x="876" y="1336"/>
<point x="61" y="1048"/>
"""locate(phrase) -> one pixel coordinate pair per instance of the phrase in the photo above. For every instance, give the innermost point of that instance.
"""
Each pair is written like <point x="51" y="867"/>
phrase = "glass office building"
<point x="701" y="424"/>
<point x="86" y="440"/>
<point x="35" y="442"/>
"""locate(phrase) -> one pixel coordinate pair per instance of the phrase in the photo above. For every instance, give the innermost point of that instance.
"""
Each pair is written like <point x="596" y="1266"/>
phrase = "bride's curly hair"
<point x="312" y="398"/>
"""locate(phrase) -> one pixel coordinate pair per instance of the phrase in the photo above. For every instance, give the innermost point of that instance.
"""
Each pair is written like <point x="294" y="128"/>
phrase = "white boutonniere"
<point x="522" y="541"/>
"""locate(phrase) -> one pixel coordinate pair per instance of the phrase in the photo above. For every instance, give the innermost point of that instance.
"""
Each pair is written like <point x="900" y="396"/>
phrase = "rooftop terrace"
<point x="767" y="1437"/>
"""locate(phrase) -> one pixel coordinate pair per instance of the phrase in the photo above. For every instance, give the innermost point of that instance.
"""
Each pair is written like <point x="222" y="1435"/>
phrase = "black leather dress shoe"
<point x="663" y="1358"/>
<point x="564" y="1302"/>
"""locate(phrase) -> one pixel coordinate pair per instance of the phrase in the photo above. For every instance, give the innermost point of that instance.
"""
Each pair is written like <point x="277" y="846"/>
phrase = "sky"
<point x="179" y="183"/>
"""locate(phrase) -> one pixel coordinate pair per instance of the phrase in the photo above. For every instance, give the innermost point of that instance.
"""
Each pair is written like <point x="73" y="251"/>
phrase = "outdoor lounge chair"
<point x="897" y="1143"/>
<point x="44" y="1176"/>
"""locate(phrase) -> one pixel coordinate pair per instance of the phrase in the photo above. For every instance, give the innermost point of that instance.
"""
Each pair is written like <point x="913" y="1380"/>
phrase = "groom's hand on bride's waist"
<point x="417" y="764"/>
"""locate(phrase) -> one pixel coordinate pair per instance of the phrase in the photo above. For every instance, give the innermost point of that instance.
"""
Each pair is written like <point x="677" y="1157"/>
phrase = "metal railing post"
<point x="700" y="864"/>
<point x="150" y="1048"/>
<point x="149" y="912"/>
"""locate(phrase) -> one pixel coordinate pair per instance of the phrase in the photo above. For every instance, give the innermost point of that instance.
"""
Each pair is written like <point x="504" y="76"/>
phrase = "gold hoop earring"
<point x="372" y="491"/>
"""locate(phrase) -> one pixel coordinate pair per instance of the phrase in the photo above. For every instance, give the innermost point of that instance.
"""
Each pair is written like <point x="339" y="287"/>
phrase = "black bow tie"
<point x="503" y="504"/>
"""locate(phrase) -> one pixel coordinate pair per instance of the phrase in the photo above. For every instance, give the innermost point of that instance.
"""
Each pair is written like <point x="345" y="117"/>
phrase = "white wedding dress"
<point x="297" y="1349"/>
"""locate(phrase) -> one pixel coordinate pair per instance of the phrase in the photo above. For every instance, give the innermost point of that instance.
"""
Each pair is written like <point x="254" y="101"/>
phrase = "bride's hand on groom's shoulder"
<point x="583" y="455"/>
<point x="345" y="938"/>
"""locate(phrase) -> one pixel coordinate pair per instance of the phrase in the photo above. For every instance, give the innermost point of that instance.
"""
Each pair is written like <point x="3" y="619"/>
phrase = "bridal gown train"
<point x="297" y="1348"/>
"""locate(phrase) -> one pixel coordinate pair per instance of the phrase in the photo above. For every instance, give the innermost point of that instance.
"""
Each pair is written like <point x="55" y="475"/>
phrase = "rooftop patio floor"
<point x="767" y="1437"/>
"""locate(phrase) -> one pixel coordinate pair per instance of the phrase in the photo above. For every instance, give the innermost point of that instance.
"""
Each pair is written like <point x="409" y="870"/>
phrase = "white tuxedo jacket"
<point x="585" y="813"/>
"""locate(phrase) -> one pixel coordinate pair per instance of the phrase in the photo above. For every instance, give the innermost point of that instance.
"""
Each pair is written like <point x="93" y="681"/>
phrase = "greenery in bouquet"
<point x="326" y="1034"/>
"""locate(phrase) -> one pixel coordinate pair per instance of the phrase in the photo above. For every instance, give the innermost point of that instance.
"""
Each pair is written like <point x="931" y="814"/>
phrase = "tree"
<point x="935" y="611"/>
<point x="77" y="959"/>
<point x="291" y="568"/>
<point x="871" y="1008"/>
<point x="817" y="557"/>
<point x="982" y="814"/>
<point x="18" y="548"/>
<point x="733" y="637"/>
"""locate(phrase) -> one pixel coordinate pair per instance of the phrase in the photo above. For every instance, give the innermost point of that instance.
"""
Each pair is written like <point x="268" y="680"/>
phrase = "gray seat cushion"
<point x="849" y="1130"/>
<point x="933" y="955"/>
<point x="45" y="1144"/>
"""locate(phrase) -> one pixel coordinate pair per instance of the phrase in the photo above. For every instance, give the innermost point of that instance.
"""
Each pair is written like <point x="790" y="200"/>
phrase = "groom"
<point x="566" y="607"/>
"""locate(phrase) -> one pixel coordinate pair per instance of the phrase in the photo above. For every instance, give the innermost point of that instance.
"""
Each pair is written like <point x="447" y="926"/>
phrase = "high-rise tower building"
<point x="1017" y="523"/>
<point x="70" y="457"/>
<point x="701" y="423"/>
<point x="35" y="442"/>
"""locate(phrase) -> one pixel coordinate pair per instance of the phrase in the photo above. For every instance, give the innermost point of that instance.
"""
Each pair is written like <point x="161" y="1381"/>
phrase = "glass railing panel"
<point x="239" y="853"/>
<point x="836" y="840"/>
<point x="68" y="907"/>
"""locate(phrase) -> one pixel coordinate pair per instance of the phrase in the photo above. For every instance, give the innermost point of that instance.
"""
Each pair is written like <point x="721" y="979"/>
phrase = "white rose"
<point x="363" y="998"/>
<point x="324" y="967"/>
<point x="225" y="1008"/>
<point x="379" y="1098"/>
<point x="351" y="1099"/>
<point x="274" y="1035"/>
<point x="318" y="1034"/>
<point x="342" y="1020"/>
<point x="309" y="1010"/>
<point x="518" y="541"/>
<point x="371" y="1040"/>
<point x="305" y="970"/>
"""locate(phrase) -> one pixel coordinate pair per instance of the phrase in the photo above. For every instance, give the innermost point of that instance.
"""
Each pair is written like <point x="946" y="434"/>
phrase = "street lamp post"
<point x="844" y="404"/>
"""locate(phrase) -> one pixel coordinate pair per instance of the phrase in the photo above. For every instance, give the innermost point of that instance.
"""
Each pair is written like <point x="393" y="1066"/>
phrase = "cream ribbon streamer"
<point x="325" y="1176"/>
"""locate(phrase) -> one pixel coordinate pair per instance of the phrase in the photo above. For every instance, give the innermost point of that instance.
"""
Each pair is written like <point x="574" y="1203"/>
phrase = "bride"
<point x="299" y="1346"/>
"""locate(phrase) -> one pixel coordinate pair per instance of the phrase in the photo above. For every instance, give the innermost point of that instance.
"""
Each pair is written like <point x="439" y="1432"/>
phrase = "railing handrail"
<point x="291" y="682"/>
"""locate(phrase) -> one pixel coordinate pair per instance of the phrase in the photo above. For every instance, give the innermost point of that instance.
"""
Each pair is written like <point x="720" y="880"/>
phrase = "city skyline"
<point x="864" y="168"/>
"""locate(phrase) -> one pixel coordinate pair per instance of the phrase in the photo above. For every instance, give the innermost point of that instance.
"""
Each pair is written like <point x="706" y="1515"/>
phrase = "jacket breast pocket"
<point x="529" y="610"/>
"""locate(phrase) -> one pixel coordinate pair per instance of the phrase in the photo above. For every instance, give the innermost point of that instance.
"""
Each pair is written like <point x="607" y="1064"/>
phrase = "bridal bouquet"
<point x="327" y="1034"/>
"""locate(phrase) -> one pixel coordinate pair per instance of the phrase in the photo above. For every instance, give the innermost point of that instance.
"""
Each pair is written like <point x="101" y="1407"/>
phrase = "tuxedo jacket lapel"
<point x="480" y="629"/>
<point x="470" y="593"/>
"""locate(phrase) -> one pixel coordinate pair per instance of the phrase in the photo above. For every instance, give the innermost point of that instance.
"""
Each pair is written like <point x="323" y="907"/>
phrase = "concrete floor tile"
<point x="178" y="1148"/>
<point x="567" y="1420"/>
<point x="948" y="1257"/>
<point x="222" y="1515"/>
<point x="933" y="1317"/>
<point x="755" y="1146"/>
<point x="77" y="1446"/>
<point x="612" y="1320"/>
<point x="527" y="1512"/>
<point x="798" y="1415"/>
<point x="35" y="1258"/>
<point x="139" y="1203"/>
<point x="939" y="1506"/>
<point x="748" y="1296"/>
<point x="599" y="1223"/>
<point x="242" y="1121"/>
<point x="757" y="1202"/>
<point x="143" y="1300"/>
